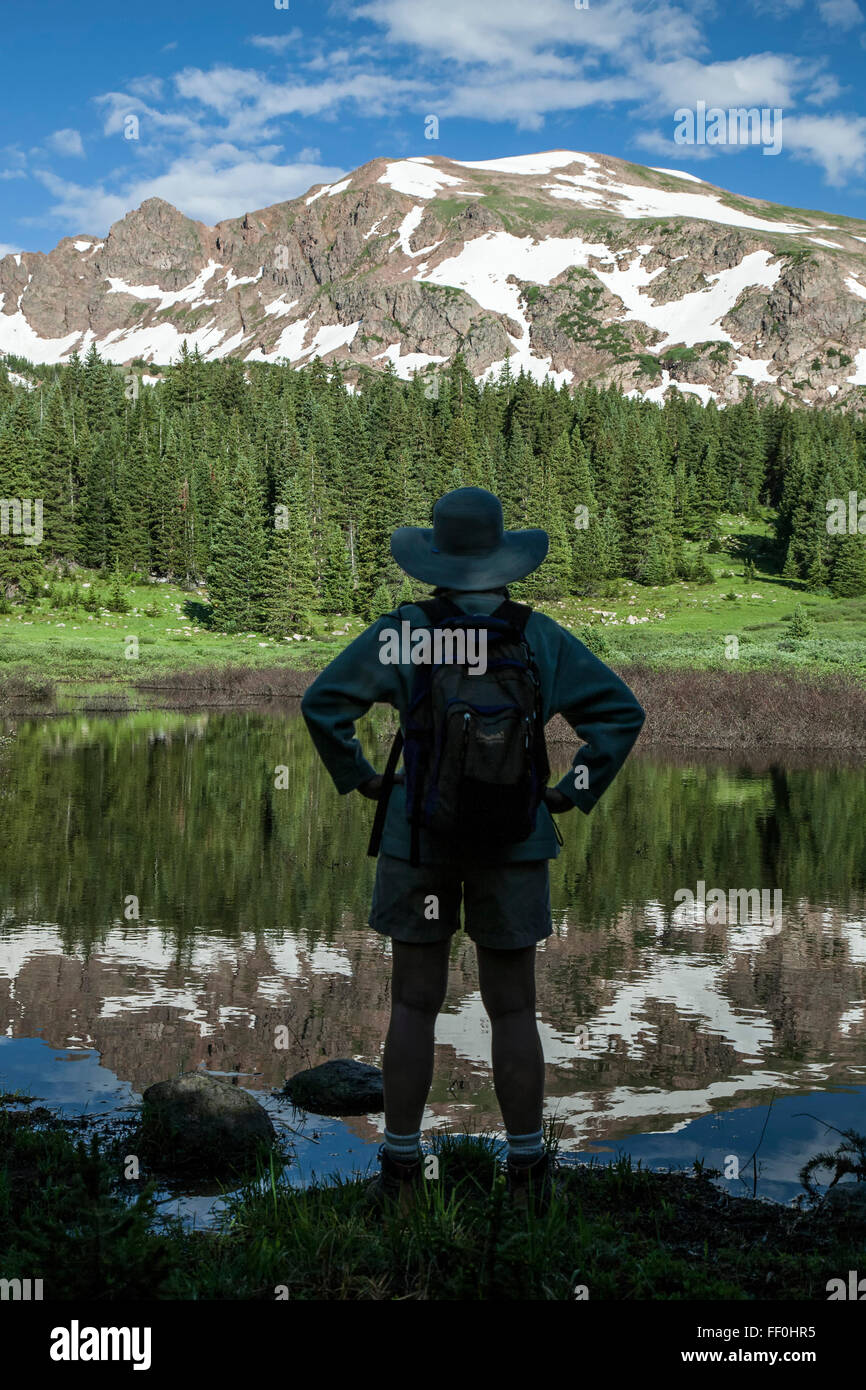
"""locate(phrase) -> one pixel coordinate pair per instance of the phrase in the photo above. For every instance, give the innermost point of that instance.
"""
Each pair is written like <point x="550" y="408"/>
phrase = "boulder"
<point x="340" y="1087"/>
<point x="196" y="1122"/>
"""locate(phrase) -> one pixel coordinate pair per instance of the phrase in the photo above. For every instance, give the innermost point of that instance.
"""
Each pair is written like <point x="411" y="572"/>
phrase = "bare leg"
<point x="419" y="979"/>
<point x="507" y="981"/>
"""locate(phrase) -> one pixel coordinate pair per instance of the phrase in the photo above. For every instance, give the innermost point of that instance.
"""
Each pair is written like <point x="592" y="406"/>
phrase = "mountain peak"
<point x="578" y="266"/>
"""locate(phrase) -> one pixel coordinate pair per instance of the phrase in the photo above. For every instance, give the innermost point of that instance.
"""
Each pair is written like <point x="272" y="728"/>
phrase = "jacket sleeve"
<point x="345" y="690"/>
<point x="602" y="710"/>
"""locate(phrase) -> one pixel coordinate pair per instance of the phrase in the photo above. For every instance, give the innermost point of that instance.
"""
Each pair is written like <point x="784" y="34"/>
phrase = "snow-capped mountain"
<point x="581" y="267"/>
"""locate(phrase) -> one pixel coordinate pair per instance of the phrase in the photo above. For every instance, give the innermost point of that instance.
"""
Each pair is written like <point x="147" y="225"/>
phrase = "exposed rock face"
<point x="583" y="267"/>
<point x="340" y="1087"/>
<point x="196" y="1121"/>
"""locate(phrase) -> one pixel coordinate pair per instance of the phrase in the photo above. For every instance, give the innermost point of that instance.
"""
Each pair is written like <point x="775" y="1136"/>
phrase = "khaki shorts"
<point x="507" y="906"/>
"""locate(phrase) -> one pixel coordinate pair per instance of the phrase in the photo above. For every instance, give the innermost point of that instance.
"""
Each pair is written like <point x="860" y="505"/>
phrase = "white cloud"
<point x="837" y="143"/>
<point x="119" y="105"/>
<point x="278" y="43"/>
<point x="208" y="187"/>
<point x="249" y="104"/>
<point x="6" y="250"/>
<point x="66" y="142"/>
<point x="213" y="146"/>
<point x="515" y="35"/>
<point x="826" y="88"/>
<point x="762" y="79"/>
<point x="840" y="14"/>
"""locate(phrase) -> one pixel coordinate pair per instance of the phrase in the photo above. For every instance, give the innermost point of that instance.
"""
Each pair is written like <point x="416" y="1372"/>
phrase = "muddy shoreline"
<point x="716" y="711"/>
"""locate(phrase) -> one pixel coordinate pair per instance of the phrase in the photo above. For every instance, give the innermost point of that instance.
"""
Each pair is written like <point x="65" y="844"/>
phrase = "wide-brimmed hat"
<point x="468" y="546"/>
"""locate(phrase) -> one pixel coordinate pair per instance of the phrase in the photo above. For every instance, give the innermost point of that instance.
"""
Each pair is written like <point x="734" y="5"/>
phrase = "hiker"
<point x="476" y="818"/>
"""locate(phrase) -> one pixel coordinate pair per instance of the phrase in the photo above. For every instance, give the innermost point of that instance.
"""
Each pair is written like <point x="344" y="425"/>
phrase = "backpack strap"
<point x="517" y="614"/>
<point x="385" y="795"/>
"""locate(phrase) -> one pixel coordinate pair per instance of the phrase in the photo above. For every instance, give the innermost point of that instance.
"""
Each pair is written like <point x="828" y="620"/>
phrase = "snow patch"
<point x="597" y="188"/>
<point x="406" y="228"/>
<point x="167" y="298"/>
<point x="755" y="368"/>
<point x="855" y="287"/>
<point x="677" y="174"/>
<point x="330" y="189"/>
<point x="409" y="224"/>
<point x="162" y="343"/>
<point x="417" y="178"/>
<point x="333" y="336"/>
<point x="822" y="241"/>
<point x="280" y="307"/>
<point x="530" y="163"/>
<point x="859" y="377"/>
<point x="482" y="268"/>
<point x="410" y="362"/>
<point x="656" y="394"/>
<point x="232" y="280"/>
<point x="695" y="317"/>
<point x="16" y="336"/>
<point x="290" y="343"/>
<point x="18" y="380"/>
<point x="483" y="265"/>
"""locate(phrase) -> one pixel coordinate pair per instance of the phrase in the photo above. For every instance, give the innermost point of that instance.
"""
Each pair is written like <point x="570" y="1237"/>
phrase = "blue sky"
<point x="240" y="105"/>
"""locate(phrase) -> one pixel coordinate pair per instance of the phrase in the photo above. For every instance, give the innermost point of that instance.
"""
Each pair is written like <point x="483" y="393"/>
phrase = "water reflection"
<point x="252" y="908"/>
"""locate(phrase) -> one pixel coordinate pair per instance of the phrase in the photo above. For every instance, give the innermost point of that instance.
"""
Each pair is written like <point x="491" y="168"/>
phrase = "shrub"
<point x="800" y="624"/>
<point x="594" y="637"/>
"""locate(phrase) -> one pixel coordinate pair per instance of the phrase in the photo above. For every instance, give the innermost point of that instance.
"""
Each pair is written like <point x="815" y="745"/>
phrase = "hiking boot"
<point x="533" y="1183"/>
<point x="396" y="1184"/>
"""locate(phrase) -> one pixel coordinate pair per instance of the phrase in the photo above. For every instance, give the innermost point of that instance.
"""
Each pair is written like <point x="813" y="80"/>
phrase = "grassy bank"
<point x="746" y="657"/>
<point x="66" y="1216"/>
<point x="724" y="709"/>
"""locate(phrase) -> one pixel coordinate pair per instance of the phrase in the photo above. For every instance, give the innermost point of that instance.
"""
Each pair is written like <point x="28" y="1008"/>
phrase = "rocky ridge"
<point x="579" y="267"/>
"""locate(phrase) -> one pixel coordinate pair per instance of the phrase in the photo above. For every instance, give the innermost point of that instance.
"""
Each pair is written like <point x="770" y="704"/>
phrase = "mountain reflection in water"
<point x="252" y="907"/>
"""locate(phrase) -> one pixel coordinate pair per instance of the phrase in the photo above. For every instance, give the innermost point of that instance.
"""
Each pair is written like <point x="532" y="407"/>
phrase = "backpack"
<point x="474" y="750"/>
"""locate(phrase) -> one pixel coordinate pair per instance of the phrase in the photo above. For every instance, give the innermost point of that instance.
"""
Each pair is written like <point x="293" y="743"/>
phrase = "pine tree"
<point x="288" y="593"/>
<point x="336" y="594"/>
<point x="848" y="578"/>
<point x="58" y="484"/>
<point x="544" y="510"/>
<point x="235" y="572"/>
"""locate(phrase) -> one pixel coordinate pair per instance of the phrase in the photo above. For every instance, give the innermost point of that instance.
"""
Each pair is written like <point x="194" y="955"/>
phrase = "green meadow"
<point x="71" y="635"/>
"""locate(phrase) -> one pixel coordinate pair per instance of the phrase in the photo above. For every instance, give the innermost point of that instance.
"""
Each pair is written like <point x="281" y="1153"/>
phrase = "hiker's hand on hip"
<point x="557" y="801"/>
<point x="372" y="788"/>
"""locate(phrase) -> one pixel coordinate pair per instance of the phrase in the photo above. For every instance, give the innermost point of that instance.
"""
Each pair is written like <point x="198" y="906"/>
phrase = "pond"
<point x="164" y="906"/>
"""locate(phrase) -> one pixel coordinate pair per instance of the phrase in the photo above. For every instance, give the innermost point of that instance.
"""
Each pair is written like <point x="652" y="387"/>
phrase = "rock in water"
<point x="341" y="1087"/>
<point x="196" y="1121"/>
